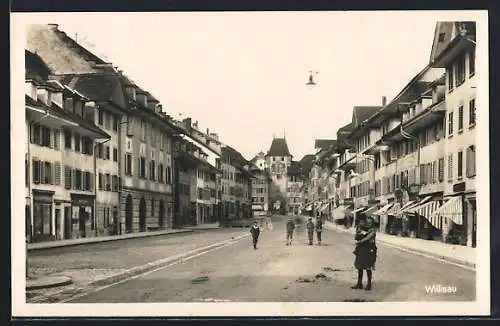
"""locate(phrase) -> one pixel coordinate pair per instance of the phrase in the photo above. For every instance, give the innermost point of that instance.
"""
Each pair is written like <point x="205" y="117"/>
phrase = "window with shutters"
<point x="142" y="167"/>
<point x="128" y="164"/>
<point x="116" y="121"/>
<point x="169" y="175"/>
<point x="67" y="139"/>
<point x="472" y="63"/>
<point x="423" y="180"/>
<point x="152" y="170"/>
<point x="115" y="183"/>
<point x="108" y="154"/>
<point x="160" y="172"/>
<point x="115" y="154"/>
<point x="450" y="124"/>
<point x="449" y="72"/>
<point x="45" y="137"/>
<point x="78" y="179"/>
<point x="441" y="170"/>
<point x="67" y="177"/>
<point x="57" y="173"/>
<point x="47" y="173"/>
<point x="101" y="181"/>
<point x="57" y="139"/>
<point x="100" y="119"/>
<point x="472" y="113"/>
<point x="460" y="118"/>
<point x="460" y="164"/>
<point x="460" y="73"/>
<point x="108" y="182"/>
<point x="434" y="172"/>
<point x="77" y="142"/>
<point x="471" y="161"/>
<point x="35" y="134"/>
<point x="36" y="171"/>
<point x="450" y="167"/>
<point x="90" y="181"/>
<point x="84" y="180"/>
<point x="107" y="117"/>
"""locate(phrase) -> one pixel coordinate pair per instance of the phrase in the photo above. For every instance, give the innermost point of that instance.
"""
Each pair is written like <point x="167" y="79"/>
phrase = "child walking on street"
<point x="255" y="231"/>
<point x="310" y="231"/>
<point x="290" y="226"/>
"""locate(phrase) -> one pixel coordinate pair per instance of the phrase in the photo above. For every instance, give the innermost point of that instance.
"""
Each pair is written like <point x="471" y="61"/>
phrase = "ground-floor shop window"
<point x="42" y="221"/>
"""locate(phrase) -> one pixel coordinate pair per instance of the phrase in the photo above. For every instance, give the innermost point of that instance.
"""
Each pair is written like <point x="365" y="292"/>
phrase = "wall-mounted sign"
<point x="459" y="187"/>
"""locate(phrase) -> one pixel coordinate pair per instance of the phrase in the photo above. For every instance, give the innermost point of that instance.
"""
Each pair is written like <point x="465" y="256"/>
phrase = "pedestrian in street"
<point x="310" y="230"/>
<point x="255" y="231"/>
<point x="319" y="229"/>
<point x="290" y="226"/>
<point x="365" y="251"/>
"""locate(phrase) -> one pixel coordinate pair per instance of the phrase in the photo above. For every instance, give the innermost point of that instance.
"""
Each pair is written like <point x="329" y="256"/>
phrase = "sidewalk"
<point x="449" y="252"/>
<point x="75" y="242"/>
<point x="209" y="226"/>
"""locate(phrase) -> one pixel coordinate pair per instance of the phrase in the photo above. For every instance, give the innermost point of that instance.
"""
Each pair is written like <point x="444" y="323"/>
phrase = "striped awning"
<point x="396" y="207"/>
<point x="339" y="212"/>
<point x="324" y="207"/>
<point x="383" y="209"/>
<point x="426" y="210"/>
<point x="406" y="206"/>
<point x="452" y="209"/>
<point x="370" y="210"/>
<point x="359" y="209"/>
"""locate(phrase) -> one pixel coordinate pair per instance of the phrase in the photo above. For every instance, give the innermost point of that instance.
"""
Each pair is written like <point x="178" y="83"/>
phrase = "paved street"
<point x="273" y="272"/>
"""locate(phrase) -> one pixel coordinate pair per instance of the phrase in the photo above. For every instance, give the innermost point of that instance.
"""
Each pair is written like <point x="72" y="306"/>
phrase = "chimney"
<point x="208" y="132"/>
<point x="187" y="123"/>
<point x="384" y="100"/>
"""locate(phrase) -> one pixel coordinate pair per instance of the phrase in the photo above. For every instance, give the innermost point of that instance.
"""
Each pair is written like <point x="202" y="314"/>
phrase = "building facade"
<point x="411" y="162"/>
<point x="278" y="159"/>
<point x="60" y="162"/>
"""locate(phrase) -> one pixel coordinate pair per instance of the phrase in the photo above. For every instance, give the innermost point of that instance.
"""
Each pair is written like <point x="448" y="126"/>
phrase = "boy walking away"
<point x="310" y="230"/>
<point x="255" y="231"/>
<point x="290" y="226"/>
<point x="319" y="229"/>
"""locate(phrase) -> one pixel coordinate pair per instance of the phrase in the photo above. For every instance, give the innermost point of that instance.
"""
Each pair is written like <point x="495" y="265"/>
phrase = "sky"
<point x="243" y="75"/>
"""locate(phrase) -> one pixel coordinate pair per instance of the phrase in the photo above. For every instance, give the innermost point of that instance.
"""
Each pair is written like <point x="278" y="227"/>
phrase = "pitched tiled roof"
<point x="97" y="86"/>
<point x="324" y="143"/>
<point x="236" y="158"/>
<point x="61" y="53"/>
<point x="442" y="36"/>
<point x="362" y="113"/>
<point x="56" y="111"/>
<point x="278" y="147"/>
<point x="307" y="162"/>
<point x="295" y="169"/>
<point x="35" y="67"/>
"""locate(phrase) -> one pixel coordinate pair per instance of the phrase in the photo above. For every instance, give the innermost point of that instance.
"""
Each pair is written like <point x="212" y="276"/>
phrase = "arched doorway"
<point x="142" y="215"/>
<point x="129" y="206"/>
<point x="161" y="215"/>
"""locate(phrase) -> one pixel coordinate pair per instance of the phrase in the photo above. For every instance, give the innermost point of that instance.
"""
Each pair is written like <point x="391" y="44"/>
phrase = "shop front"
<point x="83" y="218"/>
<point x="43" y="224"/>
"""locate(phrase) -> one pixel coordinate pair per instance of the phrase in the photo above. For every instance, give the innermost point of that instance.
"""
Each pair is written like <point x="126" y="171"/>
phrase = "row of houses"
<point x="410" y="162"/>
<point x="103" y="157"/>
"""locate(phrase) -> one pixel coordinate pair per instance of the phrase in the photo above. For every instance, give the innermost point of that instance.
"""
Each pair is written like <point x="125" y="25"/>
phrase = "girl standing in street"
<point x="365" y="252"/>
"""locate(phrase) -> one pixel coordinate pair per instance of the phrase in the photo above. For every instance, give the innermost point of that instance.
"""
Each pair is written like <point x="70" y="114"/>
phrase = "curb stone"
<point x="105" y="239"/>
<point x="48" y="282"/>
<point x="446" y="258"/>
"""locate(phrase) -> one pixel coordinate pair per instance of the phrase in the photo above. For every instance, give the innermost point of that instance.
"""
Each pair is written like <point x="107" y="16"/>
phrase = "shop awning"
<point x="406" y="206"/>
<point x="324" y="207"/>
<point x="396" y="207"/>
<point x="339" y="212"/>
<point x="426" y="210"/>
<point x="371" y="210"/>
<point x="452" y="209"/>
<point x="359" y="209"/>
<point x="383" y="209"/>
